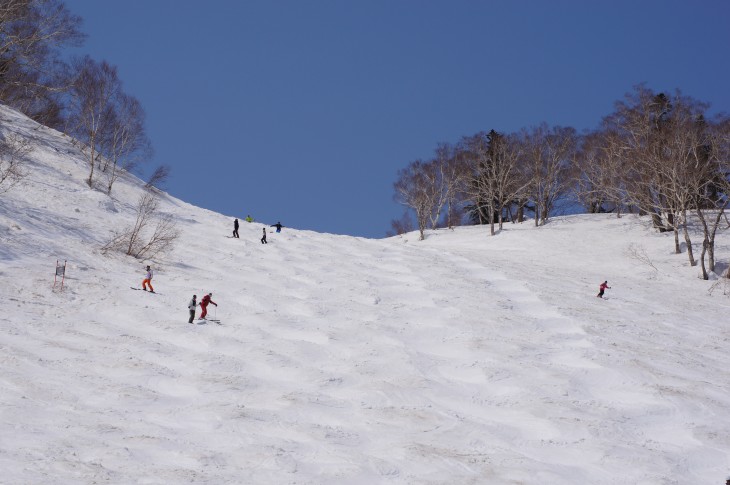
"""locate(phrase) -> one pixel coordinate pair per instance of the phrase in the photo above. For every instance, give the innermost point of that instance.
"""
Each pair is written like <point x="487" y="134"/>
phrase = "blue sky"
<point x="304" y="112"/>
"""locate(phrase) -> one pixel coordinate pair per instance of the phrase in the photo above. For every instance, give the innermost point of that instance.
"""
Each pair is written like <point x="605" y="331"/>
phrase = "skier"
<point x="235" y="228"/>
<point x="263" y="239"/>
<point x="249" y="219"/>
<point x="191" y="307"/>
<point x="602" y="288"/>
<point x="148" y="280"/>
<point x="278" y="226"/>
<point x="204" y="305"/>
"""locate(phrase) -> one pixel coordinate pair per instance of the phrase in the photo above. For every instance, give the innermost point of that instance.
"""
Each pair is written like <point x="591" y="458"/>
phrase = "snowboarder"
<point x="278" y="226"/>
<point x="148" y="280"/>
<point x="191" y="307"/>
<point x="602" y="288"/>
<point x="249" y="219"/>
<point x="204" y="305"/>
<point x="263" y="239"/>
<point x="235" y="228"/>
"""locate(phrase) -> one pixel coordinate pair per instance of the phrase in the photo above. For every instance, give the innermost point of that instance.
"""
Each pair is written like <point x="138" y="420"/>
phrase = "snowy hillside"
<point x="461" y="359"/>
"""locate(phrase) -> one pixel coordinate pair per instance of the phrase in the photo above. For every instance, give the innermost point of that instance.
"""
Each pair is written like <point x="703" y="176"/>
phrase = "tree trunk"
<point x="690" y="254"/>
<point x="677" y="249"/>
<point x="711" y="248"/>
<point x="705" y="243"/>
<point x="521" y="213"/>
<point x="657" y="221"/>
<point x="91" y="173"/>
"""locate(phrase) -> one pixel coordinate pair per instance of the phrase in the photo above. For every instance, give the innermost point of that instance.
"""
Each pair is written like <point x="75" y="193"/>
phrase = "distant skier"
<point x="148" y="280"/>
<point x="235" y="228"/>
<point x="191" y="307"/>
<point x="263" y="239"/>
<point x="602" y="288"/>
<point x="278" y="226"/>
<point x="249" y="219"/>
<point x="204" y="304"/>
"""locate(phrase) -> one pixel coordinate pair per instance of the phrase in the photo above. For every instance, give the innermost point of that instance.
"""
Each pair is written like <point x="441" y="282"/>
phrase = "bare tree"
<point x="415" y="189"/>
<point x="548" y="153"/>
<point x="158" y="177"/>
<point x="454" y="176"/>
<point x="32" y="33"/>
<point x="495" y="180"/>
<point x="137" y="241"/>
<point x="92" y="111"/>
<point x="400" y="226"/>
<point x="125" y="144"/>
<point x="640" y="125"/>
<point x="13" y="150"/>
<point x="638" y="252"/>
<point x="712" y="151"/>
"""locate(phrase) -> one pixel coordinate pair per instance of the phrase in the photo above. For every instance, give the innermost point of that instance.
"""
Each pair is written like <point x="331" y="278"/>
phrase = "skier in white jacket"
<point x="191" y="307"/>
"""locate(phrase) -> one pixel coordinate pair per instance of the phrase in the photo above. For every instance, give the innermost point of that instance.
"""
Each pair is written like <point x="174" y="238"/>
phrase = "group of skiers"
<point x="278" y="227"/>
<point x="147" y="281"/>
<point x="207" y="299"/>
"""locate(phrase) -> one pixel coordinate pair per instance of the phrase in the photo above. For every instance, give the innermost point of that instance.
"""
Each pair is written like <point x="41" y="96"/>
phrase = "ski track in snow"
<point x="459" y="359"/>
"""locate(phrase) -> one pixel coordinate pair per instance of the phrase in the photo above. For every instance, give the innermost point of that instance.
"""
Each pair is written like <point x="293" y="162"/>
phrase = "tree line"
<point x="81" y="97"/>
<point x="656" y="154"/>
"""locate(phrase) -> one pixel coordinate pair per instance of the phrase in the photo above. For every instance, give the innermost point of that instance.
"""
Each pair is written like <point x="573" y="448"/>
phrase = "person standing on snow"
<point x="148" y="280"/>
<point x="263" y="239"/>
<point x="191" y="307"/>
<point x="602" y="288"/>
<point x="235" y="228"/>
<point x="278" y="226"/>
<point x="204" y="304"/>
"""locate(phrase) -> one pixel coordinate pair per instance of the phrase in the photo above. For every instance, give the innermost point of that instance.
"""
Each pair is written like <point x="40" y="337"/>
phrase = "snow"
<point x="463" y="358"/>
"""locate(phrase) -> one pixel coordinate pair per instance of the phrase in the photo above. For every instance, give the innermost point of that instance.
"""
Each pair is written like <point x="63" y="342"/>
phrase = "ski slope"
<point x="461" y="359"/>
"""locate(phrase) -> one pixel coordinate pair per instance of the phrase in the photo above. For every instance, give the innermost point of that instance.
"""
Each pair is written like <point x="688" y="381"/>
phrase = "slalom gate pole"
<point x="60" y="270"/>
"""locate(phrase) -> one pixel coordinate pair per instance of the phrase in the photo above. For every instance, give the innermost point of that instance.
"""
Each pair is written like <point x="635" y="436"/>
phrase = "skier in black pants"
<point x="191" y="307"/>
<point x="235" y="228"/>
<point x="263" y="239"/>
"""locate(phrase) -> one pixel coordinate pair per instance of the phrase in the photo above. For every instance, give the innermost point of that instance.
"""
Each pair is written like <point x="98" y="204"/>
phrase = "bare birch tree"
<point x="415" y="189"/>
<point x="125" y="143"/>
<point x="92" y="110"/>
<point x="549" y="152"/>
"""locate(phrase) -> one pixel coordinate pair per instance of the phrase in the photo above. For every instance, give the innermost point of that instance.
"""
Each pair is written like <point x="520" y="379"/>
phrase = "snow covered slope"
<point x="461" y="359"/>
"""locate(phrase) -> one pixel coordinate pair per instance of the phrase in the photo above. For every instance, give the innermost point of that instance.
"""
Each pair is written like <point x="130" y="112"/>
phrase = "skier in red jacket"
<point x="602" y="288"/>
<point x="204" y="304"/>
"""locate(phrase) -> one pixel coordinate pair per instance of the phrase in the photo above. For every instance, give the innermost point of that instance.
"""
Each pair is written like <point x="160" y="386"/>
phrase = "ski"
<point x="203" y="321"/>
<point x="140" y="289"/>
